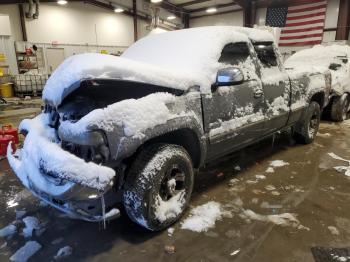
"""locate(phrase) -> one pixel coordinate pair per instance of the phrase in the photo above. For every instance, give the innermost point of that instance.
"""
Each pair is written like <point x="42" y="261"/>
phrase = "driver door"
<point x="233" y="114"/>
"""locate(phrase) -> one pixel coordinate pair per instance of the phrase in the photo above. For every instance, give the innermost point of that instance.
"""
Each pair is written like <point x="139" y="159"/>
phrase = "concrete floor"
<point x="308" y="187"/>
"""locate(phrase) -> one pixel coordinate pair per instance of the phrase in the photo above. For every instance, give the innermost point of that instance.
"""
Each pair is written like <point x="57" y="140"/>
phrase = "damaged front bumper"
<point x="82" y="190"/>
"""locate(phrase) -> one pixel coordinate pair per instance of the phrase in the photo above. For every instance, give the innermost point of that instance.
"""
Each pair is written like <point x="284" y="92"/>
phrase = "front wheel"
<point x="158" y="186"/>
<point x="307" y="130"/>
<point x="340" y="108"/>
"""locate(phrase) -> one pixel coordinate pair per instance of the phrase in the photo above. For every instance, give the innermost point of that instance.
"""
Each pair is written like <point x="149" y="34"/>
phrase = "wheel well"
<point x="319" y="98"/>
<point x="186" y="138"/>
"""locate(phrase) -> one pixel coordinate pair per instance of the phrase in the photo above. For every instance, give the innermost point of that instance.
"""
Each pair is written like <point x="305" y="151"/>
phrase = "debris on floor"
<point x="25" y="252"/>
<point x="63" y="252"/>
<point x="169" y="249"/>
<point x="8" y="230"/>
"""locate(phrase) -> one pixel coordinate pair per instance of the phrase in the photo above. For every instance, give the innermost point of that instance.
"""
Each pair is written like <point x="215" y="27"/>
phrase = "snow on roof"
<point x="178" y="59"/>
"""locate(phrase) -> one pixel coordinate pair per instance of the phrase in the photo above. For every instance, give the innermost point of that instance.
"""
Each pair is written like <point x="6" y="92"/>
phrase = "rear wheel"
<point x="340" y="107"/>
<point x="307" y="130"/>
<point x="158" y="186"/>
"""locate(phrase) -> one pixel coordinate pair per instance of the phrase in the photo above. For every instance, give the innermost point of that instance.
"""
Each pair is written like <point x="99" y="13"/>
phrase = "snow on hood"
<point x="178" y="59"/>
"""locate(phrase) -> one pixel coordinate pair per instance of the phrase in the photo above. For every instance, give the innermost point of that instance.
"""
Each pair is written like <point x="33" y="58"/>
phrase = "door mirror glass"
<point x="334" y="66"/>
<point x="229" y="76"/>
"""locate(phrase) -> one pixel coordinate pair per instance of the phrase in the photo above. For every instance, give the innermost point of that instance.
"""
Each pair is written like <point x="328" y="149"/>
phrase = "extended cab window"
<point x="234" y="53"/>
<point x="266" y="54"/>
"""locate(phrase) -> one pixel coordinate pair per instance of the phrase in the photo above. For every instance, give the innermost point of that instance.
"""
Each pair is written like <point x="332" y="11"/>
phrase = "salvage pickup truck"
<point x="134" y="129"/>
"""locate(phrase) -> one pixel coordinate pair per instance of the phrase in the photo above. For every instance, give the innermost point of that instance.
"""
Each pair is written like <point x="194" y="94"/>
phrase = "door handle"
<point x="258" y="93"/>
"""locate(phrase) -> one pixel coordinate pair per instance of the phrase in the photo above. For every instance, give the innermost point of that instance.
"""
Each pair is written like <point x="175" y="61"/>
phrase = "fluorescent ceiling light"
<point x="211" y="10"/>
<point x="156" y="1"/>
<point x="62" y="2"/>
<point x="171" y="17"/>
<point x="118" y="10"/>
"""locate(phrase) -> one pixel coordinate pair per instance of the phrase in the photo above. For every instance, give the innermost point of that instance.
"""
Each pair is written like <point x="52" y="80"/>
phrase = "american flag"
<point x="301" y="24"/>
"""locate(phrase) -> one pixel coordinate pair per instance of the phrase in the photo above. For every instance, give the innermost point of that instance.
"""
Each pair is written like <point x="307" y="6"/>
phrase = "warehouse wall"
<point x="77" y="24"/>
<point x="13" y="12"/>
<point x="235" y="18"/>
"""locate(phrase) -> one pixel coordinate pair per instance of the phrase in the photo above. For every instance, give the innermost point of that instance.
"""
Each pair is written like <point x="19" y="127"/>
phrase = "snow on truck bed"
<point x="178" y="59"/>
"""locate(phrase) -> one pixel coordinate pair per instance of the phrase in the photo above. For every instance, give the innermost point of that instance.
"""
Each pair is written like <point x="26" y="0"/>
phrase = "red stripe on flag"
<point x="303" y="2"/>
<point x="289" y="31"/>
<point x="306" y="22"/>
<point x="311" y="8"/>
<point x="300" y="36"/>
<point x="301" y="43"/>
<point x="305" y="16"/>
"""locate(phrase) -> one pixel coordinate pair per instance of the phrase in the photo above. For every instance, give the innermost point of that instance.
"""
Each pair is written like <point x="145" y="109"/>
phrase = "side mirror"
<point x="334" y="66"/>
<point x="229" y="76"/>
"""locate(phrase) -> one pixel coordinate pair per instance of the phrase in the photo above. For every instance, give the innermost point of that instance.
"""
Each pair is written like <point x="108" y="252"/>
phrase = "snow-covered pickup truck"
<point x="334" y="58"/>
<point x="133" y="129"/>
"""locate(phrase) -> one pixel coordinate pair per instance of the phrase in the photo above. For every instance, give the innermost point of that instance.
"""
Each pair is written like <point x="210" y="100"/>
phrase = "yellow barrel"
<point x="6" y="90"/>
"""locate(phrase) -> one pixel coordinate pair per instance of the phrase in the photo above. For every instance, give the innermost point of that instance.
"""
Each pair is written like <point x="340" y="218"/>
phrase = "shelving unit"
<point x="26" y="62"/>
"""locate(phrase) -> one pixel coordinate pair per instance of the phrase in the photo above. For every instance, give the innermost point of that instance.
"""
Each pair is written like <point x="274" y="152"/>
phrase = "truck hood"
<point x="68" y="76"/>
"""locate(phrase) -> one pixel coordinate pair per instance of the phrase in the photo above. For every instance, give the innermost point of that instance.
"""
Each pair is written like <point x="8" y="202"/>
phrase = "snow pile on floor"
<point x="341" y="169"/>
<point x="134" y="116"/>
<point x="42" y="151"/>
<point x="25" y="252"/>
<point x="203" y="217"/>
<point x="9" y="230"/>
<point x="63" y="252"/>
<point x="31" y="224"/>
<point x="319" y="58"/>
<point x="285" y="219"/>
<point x="193" y="60"/>
<point x="274" y="164"/>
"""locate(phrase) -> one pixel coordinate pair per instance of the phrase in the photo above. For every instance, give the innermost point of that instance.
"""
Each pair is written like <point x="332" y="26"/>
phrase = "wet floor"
<point x="308" y="188"/>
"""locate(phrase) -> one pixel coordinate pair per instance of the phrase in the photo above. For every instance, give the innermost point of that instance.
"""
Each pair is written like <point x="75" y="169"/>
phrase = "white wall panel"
<point x="77" y="23"/>
<point x="15" y="23"/>
<point x="235" y="18"/>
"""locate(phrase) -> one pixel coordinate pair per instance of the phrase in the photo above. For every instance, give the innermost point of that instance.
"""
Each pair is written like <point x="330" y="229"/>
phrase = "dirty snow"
<point x="284" y="219"/>
<point x="38" y="148"/>
<point x="333" y="230"/>
<point x="235" y="252"/>
<point x="9" y="230"/>
<point x="171" y="231"/>
<point x="171" y="208"/>
<point x="203" y="217"/>
<point x="278" y="163"/>
<point x="31" y="224"/>
<point x="341" y="169"/>
<point x="25" y="252"/>
<point x="63" y="252"/>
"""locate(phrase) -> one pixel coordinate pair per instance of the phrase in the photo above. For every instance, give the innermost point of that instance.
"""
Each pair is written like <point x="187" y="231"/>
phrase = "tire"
<point x="340" y="108"/>
<point x="307" y="130"/>
<point x="158" y="186"/>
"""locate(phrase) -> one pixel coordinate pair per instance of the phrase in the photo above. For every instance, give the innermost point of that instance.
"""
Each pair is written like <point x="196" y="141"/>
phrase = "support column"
<point x="134" y="9"/>
<point x="23" y="23"/>
<point x="343" y="20"/>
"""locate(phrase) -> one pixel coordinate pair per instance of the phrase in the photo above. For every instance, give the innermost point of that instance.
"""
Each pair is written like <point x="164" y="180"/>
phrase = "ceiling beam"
<point x="217" y="13"/>
<point x="194" y="2"/>
<point x="217" y="6"/>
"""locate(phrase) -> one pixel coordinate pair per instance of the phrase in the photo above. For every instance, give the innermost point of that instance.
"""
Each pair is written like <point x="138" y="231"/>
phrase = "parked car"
<point x="135" y="129"/>
<point x="333" y="58"/>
